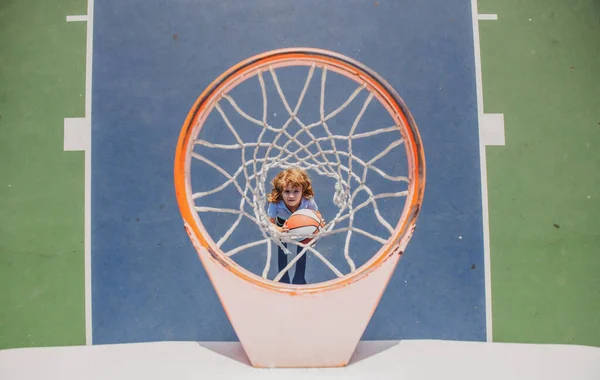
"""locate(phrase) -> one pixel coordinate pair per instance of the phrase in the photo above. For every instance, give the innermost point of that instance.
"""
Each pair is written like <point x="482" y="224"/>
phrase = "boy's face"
<point x="292" y="195"/>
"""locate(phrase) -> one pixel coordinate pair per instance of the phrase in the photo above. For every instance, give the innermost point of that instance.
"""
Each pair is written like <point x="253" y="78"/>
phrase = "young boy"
<point x="292" y="191"/>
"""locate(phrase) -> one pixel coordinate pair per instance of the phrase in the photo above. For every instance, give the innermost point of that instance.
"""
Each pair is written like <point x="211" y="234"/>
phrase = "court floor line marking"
<point x="490" y="16"/>
<point x="88" y="175"/>
<point x="76" y="134"/>
<point x="483" y="169"/>
<point x="493" y="129"/>
<point x="77" y="18"/>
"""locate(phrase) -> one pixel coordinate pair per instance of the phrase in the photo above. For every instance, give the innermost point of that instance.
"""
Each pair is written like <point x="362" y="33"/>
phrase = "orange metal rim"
<point x="344" y="66"/>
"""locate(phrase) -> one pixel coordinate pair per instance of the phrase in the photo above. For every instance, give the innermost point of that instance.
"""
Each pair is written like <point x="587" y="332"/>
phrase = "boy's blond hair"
<point x="294" y="177"/>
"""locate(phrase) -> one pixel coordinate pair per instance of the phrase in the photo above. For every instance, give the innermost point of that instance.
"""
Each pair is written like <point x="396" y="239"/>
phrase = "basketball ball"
<point x="303" y="223"/>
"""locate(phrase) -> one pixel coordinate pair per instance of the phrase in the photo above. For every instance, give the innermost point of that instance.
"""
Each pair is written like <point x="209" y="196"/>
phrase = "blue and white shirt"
<point x="280" y="210"/>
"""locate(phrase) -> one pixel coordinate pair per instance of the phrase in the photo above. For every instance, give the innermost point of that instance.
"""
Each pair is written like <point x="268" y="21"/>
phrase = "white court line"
<point x="77" y="134"/>
<point x="491" y="17"/>
<point x="483" y="169"/>
<point x="493" y="129"/>
<point x="77" y="18"/>
<point x="88" y="176"/>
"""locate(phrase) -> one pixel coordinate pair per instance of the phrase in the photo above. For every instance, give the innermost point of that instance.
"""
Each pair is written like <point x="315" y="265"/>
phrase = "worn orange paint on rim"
<point x="301" y="57"/>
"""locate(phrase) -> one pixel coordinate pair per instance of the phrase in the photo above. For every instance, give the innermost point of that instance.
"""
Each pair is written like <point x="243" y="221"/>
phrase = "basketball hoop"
<point x="227" y="276"/>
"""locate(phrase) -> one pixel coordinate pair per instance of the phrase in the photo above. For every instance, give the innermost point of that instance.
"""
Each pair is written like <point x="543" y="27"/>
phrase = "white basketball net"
<point x="251" y="177"/>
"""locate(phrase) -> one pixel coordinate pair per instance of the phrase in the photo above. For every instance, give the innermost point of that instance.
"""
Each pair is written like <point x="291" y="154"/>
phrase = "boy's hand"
<point x="280" y="229"/>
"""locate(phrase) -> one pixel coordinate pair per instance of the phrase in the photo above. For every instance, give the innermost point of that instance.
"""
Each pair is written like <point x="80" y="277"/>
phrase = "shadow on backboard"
<point x="231" y="350"/>
<point x="367" y="348"/>
<point x="235" y="351"/>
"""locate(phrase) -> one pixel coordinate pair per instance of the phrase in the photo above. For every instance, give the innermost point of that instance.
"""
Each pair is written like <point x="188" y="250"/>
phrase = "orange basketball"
<point x="304" y="223"/>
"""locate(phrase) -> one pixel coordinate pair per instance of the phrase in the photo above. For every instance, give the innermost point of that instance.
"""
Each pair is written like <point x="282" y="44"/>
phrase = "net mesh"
<point x="320" y="155"/>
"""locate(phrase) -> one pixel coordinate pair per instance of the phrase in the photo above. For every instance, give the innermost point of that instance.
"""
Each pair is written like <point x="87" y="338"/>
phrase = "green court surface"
<point x="42" y="76"/>
<point x="540" y="68"/>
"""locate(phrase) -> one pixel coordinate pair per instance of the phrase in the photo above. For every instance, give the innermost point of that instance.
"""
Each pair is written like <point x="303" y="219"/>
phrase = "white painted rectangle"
<point x="489" y="17"/>
<point x="77" y="134"/>
<point x="493" y="129"/>
<point x="77" y="18"/>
